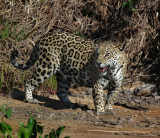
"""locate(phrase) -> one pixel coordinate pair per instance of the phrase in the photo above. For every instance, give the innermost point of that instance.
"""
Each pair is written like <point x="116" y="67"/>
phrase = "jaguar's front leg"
<point x="112" y="97"/>
<point x="62" y="93"/>
<point x="98" y="95"/>
<point x="114" y="90"/>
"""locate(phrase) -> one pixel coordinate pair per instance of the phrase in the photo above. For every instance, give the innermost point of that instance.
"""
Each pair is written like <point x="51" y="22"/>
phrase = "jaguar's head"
<point x="107" y="57"/>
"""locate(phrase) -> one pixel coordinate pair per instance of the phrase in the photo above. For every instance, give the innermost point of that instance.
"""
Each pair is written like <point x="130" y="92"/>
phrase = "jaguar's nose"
<point x="99" y="63"/>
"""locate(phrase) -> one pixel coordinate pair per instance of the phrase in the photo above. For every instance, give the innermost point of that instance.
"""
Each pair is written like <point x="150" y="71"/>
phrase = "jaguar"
<point x="74" y="59"/>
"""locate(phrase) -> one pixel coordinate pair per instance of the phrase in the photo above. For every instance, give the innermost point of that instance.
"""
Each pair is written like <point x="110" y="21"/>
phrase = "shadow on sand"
<point x="45" y="101"/>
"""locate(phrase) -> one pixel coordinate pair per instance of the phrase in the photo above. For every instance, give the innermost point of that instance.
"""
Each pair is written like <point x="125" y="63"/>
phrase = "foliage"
<point x="56" y="134"/>
<point x="10" y="30"/>
<point x="113" y="20"/>
<point x="50" y="84"/>
<point x="31" y="130"/>
<point x="6" y="78"/>
<point x="5" y="31"/>
<point x="5" y="129"/>
<point x="130" y="4"/>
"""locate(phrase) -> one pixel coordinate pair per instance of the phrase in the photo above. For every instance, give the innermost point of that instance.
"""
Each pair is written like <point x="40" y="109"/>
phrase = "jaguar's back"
<point x="63" y="48"/>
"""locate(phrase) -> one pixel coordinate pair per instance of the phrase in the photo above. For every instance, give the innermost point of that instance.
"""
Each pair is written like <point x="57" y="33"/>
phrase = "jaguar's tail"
<point x="33" y="58"/>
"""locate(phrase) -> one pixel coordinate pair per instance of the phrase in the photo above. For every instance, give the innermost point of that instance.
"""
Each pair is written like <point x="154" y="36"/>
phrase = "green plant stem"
<point x="2" y="133"/>
<point x="2" y="119"/>
<point x="6" y="128"/>
<point x="1" y="81"/>
<point x="8" y="131"/>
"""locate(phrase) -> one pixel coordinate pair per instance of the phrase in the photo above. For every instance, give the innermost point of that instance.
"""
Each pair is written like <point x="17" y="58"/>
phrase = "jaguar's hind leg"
<point x="62" y="92"/>
<point x="39" y="76"/>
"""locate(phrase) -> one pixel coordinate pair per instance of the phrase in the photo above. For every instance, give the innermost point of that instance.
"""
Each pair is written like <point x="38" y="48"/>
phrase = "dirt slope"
<point x="81" y="122"/>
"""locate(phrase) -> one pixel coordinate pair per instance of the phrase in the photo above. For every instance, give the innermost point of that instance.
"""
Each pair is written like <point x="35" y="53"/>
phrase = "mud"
<point x="135" y="116"/>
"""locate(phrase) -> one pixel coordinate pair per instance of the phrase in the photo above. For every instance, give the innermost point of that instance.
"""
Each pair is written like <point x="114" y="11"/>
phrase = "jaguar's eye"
<point x="106" y="54"/>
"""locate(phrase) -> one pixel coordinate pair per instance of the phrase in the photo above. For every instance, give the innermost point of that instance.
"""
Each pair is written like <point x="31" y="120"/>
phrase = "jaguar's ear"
<point x="96" y="48"/>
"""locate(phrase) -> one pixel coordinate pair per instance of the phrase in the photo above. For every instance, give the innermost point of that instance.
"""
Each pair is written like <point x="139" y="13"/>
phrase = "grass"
<point x="10" y="31"/>
<point x="50" y="84"/>
<point x="112" y="20"/>
<point x="6" y="80"/>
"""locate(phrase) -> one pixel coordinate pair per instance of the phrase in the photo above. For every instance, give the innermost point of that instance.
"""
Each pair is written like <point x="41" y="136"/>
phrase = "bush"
<point x="31" y="130"/>
<point x="133" y="23"/>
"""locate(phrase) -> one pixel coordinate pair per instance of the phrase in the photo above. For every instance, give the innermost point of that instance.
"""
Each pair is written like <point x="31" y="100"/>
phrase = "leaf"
<point x="6" y="110"/>
<point x="31" y="122"/>
<point x="59" y="131"/>
<point x="24" y="132"/>
<point x="124" y="4"/>
<point x="29" y="130"/>
<point x="5" y="128"/>
<point x="21" y="124"/>
<point x="46" y="136"/>
<point x="39" y="129"/>
<point x="130" y="2"/>
<point x="1" y="109"/>
<point x="32" y="125"/>
<point x="52" y="134"/>
<point x="134" y="10"/>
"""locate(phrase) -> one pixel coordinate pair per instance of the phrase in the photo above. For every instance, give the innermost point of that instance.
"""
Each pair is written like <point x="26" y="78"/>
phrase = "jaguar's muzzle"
<point x="102" y="69"/>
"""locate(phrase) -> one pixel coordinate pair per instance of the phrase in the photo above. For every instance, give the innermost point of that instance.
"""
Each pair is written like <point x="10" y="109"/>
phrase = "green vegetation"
<point x="1" y="79"/>
<point x="51" y="83"/>
<point x="5" y="31"/>
<point x="6" y="82"/>
<point x="134" y="23"/>
<point x="5" y="129"/>
<point x="129" y="4"/>
<point x="31" y="130"/>
<point x="10" y="30"/>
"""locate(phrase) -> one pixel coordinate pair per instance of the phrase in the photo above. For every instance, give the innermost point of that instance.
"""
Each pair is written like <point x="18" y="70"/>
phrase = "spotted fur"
<point x="112" y="64"/>
<point x="75" y="60"/>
